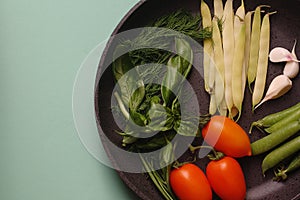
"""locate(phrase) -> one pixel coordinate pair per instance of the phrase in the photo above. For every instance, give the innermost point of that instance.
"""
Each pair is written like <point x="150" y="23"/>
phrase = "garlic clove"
<point x="279" y="86"/>
<point x="291" y="69"/>
<point x="293" y="50"/>
<point x="280" y="54"/>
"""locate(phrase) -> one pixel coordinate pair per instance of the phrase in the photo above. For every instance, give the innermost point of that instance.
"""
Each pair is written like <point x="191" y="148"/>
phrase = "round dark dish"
<point x="285" y="27"/>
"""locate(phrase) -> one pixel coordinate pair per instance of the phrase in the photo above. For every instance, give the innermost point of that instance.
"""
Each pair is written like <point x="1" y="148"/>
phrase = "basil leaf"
<point x="185" y="52"/>
<point x="160" y="118"/>
<point x="138" y="118"/>
<point x="204" y="119"/>
<point x="127" y="140"/>
<point x="132" y="90"/>
<point x="152" y="96"/>
<point x="130" y="85"/>
<point x="158" y="141"/>
<point x="179" y="67"/>
<point x="171" y="81"/>
<point x="187" y="127"/>
<point x="166" y="155"/>
<point x="137" y="95"/>
<point x="121" y="65"/>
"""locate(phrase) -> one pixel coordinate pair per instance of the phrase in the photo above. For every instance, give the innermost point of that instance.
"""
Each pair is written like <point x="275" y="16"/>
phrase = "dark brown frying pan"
<point x="285" y="27"/>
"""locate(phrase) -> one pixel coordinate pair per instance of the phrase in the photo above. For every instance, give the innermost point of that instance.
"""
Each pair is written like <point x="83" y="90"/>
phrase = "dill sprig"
<point x="179" y="21"/>
<point x="185" y="23"/>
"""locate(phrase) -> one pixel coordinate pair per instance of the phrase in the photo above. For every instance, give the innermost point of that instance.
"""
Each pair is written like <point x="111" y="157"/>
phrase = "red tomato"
<point x="227" y="136"/>
<point x="227" y="178"/>
<point x="189" y="182"/>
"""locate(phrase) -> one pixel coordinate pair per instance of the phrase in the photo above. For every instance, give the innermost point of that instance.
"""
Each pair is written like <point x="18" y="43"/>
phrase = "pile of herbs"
<point x="149" y="107"/>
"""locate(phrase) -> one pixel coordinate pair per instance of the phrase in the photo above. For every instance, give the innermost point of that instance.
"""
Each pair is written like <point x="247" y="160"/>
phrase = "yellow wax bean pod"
<point x="237" y="70"/>
<point x="247" y="22"/>
<point x="219" y="61"/>
<point x="219" y="89"/>
<point x="207" y="44"/>
<point x="207" y="62"/>
<point x="211" y="85"/>
<point x="254" y="46"/>
<point x="228" y="50"/>
<point x="263" y="57"/>
<point x="238" y="19"/>
<point x="212" y="104"/>
<point x="218" y="9"/>
<point x="223" y="108"/>
<point x="218" y="48"/>
<point x="205" y="14"/>
<point x="211" y="75"/>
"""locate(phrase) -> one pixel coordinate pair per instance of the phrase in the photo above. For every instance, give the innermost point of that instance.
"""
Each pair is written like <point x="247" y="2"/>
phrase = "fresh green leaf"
<point x="156" y="142"/>
<point x="137" y="96"/>
<point x="171" y="81"/>
<point x="166" y="155"/>
<point x="137" y="118"/>
<point x="127" y="140"/>
<point x="185" y="52"/>
<point x="132" y="89"/>
<point x="122" y="64"/>
<point x="180" y="22"/>
<point x="122" y="107"/>
<point x="179" y="67"/>
<point x="160" y="118"/>
<point x="157" y="176"/>
<point x="152" y="95"/>
<point x="187" y="127"/>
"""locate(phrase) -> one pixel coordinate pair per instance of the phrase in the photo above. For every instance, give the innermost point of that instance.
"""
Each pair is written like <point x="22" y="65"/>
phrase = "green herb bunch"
<point x="149" y="107"/>
<point x="179" y="21"/>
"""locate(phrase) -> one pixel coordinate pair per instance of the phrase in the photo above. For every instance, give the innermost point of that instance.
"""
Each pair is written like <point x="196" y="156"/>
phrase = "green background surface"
<point x="43" y="44"/>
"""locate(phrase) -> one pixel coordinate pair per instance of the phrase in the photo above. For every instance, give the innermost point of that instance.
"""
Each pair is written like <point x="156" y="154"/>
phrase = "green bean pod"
<point x="277" y="137"/>
<point x="280" y="153"/>
<point x="281" y="174"/>
<point x="271" y="119"/>
<point x="283" y="122"/>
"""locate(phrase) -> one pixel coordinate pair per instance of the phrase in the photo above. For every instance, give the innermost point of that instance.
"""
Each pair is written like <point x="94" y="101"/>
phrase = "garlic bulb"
<point x="279" y="86"/>
<point x="291" y="68"/>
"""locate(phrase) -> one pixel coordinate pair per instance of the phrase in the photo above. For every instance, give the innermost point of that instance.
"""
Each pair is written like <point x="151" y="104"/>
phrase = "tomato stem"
<point x="256" y="125"/>
<point x="194" y="148"/>
<point x="216" y="155"/>
<point x="178" y="164"/>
